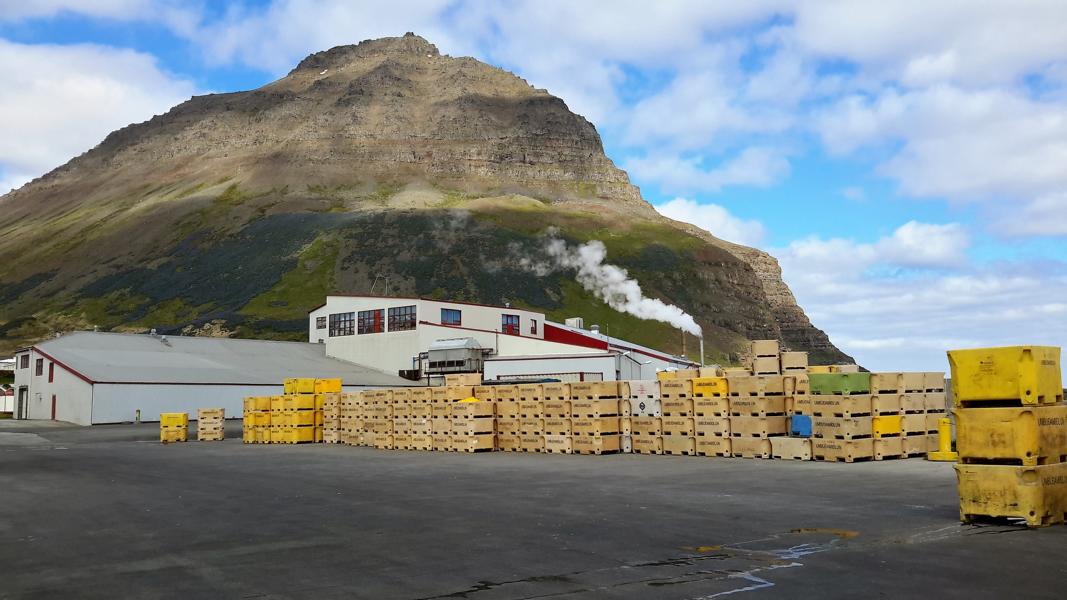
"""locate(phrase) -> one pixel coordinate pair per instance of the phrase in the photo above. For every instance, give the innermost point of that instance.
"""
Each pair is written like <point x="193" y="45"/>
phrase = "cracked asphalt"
<point x="107" y="512"/>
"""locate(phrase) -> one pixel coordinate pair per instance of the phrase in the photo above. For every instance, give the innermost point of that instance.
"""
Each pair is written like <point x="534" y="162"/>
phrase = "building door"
<point x="53" y="407"/>
<point x="20" y="408"/>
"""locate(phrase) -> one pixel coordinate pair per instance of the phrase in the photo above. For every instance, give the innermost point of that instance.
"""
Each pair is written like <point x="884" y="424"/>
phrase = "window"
<point x="370" y="321"/>
<point x="533" y="327"/>
<point x="509" y="324"/>
<point x="24" y="361"/>
<point x="320" y="322"/>
<point x="38" y="367"/>
<point x="51" y="372"/>
<point x="342" y="324"/>
<point x="451" y="316"/>
<point x="402" y="318"/>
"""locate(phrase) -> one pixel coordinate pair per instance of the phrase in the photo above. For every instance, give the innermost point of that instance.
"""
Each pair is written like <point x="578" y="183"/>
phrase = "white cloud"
<point x="853" y="192"/>
<point x="892" y="320"/>
<point x="714" y="219"/>
<point x="915" y="244"/>
<point x="59" y="101"/>
<point x="755" y="166"/>
<point x="96" y="8"/>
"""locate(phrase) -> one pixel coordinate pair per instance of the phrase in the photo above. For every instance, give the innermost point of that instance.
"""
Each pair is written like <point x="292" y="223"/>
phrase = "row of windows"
<point x="403" y="318"/>
<point x="38" y="367"/>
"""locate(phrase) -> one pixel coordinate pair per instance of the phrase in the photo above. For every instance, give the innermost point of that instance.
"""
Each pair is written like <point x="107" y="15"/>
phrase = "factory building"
<point x="90" y="378"/>
<point x="425" y="339"/>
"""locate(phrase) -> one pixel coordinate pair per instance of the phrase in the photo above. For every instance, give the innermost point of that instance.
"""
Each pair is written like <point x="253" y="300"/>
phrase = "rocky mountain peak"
<point x="408" y="45"/>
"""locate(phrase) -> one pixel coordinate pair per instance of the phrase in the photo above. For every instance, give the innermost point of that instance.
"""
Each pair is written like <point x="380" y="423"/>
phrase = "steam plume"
<point x="612" y="284"/>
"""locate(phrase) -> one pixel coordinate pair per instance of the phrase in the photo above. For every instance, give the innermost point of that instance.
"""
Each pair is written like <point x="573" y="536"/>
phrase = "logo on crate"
<point x="1055" y="480"/>
<point x="1051" y="421"/>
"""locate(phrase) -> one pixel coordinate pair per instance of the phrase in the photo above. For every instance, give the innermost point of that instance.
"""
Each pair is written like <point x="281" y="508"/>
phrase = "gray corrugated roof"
<point x="140" y="358"/>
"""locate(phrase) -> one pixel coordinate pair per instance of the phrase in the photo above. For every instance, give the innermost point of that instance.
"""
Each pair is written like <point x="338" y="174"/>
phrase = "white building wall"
<point x="119" y="402"/>
<point x="391" y="351"/>
<point x="595" y="368"/>
<point x="74" y="396"/>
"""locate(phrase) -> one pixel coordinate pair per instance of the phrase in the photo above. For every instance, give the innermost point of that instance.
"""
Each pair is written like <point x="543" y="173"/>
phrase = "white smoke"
<point x="611" y="284"/>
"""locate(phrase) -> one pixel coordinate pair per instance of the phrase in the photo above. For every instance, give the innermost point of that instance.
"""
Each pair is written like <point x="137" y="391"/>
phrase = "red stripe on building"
<point x="566" y="336"/>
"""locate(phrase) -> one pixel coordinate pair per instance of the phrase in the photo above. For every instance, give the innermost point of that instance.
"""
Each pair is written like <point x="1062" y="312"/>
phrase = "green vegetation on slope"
<point x="302" y="288"/>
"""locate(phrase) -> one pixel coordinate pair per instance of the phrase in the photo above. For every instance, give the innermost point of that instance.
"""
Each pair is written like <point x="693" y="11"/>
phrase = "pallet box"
<point x="508" y="442"/>
<point x="1029" y="375"/>
<point x="646" y="426"/>
<point x="707" y="406"/>
<point x="757" y="406"/>
<point x="766" y="365"/>
<point x="886" y="404"/>
<point x="839" y="383"/>
<point x="750" y="447"/>
<point x="558" y="444"/>
<point x="650" y="444"/>
<point x="913" y="424"/>
<point x="842" y="428"/>
<point x="684" y="426"/>
<point x="1014" y="435"/>
<point x="712" y="426"/>
<point x="834" y="405"/>
<point x="833" y="450"/>
<point x="714" y="446"/>
<point x="765" y="348"/>
<point x="594" y="426"/>
<point x="758" y="427"/>
<point x="794" y="361"/>
<point x="532" y="442"/>
<point x="756" y="385"/>
<point x="680" y="445"/>
<point x="596" y="444"/>
<point x="478" y="442"/>
<point x="1037" y="495"/>
<point x="888" y="447"/>
<point x="791" y="448"/>
<point x="913" y="402"/>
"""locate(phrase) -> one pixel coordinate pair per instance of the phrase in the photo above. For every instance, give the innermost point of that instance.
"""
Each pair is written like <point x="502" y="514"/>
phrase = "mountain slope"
<point x="383" y="160"/>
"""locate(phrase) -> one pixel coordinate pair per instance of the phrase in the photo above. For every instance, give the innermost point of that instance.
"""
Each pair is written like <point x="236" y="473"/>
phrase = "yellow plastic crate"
<point x="277" y="403"/>
<point x="327" y="386"/>
<point x="174" y="420"/>
<point x="300" y="402"/>
<point x="1037" y="495"/>
<point x="261" y="418"/>
<point x="1028" y="374"/>
<point x="295" y="435"/>
<point x="262" y="403"/>
<point x="174" y="434"/>
<point x="250" y="404"/>
<point x="819" y="369"/>
<point x="1025" y="435"/>
<point x="705" y="387"/>
<point x="297" y="418"/>
<point x="886" y="426"/>
<point x="299" y="385"/>
<point x="320" y="401"/>
<point x="248" y="434"/>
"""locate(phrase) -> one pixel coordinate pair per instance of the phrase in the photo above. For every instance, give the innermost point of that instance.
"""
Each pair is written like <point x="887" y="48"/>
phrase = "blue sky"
<point x="905" y="162"/>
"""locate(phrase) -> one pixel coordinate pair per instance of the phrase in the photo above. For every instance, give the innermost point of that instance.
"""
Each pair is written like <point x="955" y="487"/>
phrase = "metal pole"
<point x="702" y="351"/>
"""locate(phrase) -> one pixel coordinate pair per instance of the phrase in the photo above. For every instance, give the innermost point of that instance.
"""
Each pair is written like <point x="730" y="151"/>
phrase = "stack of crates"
<point x="1011" y="433"/>
<point x="173" y="427"/>
<point x="421" y="415"/>
<point x="210" y="424"/>
<point x="378" y="422"/>
<point x="474" y="422"/>
<point x="256" y="425"/>
<point x="331" y="417"/>
<point x="797" y="445"/>
<point x="642" y="414"/>
<point x="711" y="416"/>
<point x="556" y="407"/>
<point x="441" y="399"/>
<point x="352" y="418"/>
<point x="678" y="424"/>
<point x="766" y="357"/>
<point x="402" y="419"/>
<point x="595" y="417"/>
<point x="861" y="416"/>
<point x="322" y="388"/>
<point x="757" y="414"/>
<point x="531" y="407"/>
<point x="508" y="418"/>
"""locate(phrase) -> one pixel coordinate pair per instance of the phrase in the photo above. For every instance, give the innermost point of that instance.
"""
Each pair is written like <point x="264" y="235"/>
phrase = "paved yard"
<point x="105" y="512"/>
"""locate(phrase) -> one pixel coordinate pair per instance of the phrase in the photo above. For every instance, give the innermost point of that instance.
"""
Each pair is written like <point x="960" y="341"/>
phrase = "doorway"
<point x="21" y="408"/>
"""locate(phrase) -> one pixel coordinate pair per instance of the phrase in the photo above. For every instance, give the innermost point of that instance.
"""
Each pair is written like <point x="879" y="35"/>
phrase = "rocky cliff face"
<point x="238" y="212"/>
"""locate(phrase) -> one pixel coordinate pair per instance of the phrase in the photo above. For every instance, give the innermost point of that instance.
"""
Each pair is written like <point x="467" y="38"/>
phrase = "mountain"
<point x="382" y="166"/>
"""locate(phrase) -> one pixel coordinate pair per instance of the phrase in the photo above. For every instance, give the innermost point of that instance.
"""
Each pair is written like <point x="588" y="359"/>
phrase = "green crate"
<point x="839" y="383"/>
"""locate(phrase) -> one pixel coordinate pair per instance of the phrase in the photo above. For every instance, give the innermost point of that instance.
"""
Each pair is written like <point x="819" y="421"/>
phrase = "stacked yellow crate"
<point x="531" y="408"/>
<point x="331" y="417"/>
<point x="441" y="399"/>
<point x="797" y="445"/>
<point x="1011" y="433"/>
<point x="378" y="423"/>
<point x="842" y="424"/>
<point x="711" y="416"/>
<point x="421" y="415"/>
<point x="173" y="427"/>
<point x="508" y="418"/>
<point x="402" y="419"/>
<point x="678" y="423"/>
<point x="473" y="423"/>
<point x="757" y="414"/>
<point x="351" y="419"/>
<point x="556" y="407"/>
<point x="256" y="424"/>
<point x="210" y="424"/>
<point x="641" y="417"/>
<point x="595" y="417"/>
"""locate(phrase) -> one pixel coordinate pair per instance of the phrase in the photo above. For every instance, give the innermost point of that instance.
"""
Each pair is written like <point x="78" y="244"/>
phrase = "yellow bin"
<point x="172" y="420"/>
<point x="1029" y="374"/>
<point x="1031" y="435"/>
<point x="1037" y="495"/>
